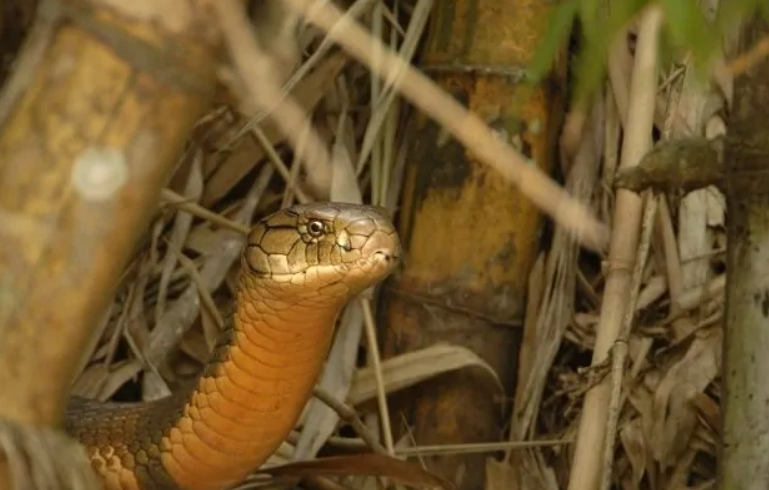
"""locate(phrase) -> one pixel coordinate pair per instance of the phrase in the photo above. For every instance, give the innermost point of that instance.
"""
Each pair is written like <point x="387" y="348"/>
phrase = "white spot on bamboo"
<point x="99" y="173"/>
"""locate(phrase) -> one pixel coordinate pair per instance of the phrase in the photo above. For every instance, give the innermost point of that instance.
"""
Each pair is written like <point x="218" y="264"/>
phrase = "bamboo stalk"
<point x="745" y="401"/>
<point x="467" y="127"/>
<point x="588" y="455"/>
<point x="94" y="117"/>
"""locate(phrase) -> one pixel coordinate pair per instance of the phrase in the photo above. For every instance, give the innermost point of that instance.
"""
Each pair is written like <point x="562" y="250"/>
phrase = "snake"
<point x="299" y="267"/>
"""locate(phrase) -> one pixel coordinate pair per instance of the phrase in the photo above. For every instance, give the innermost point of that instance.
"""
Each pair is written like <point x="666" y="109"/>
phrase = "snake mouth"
<point x="357" y="274"/>
<point x="384" y="260"/>
<point x="368" y="270"/>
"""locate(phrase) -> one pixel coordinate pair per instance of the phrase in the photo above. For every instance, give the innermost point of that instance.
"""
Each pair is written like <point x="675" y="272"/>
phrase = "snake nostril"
<point x="387" y="255"/>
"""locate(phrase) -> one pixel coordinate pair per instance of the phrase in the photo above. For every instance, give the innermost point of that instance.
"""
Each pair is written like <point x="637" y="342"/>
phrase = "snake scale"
<point x="299" y="268"/>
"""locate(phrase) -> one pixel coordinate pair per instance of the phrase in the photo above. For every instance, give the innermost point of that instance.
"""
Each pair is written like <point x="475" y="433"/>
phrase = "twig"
<point x="620" y="348"/>
<point x="195" y="209"/>
<point x="348" y="415"/>
<point x="205" y="294"/>
<point x="479" y="447"/>
<point x="745" y="61"/>
<point x="675" y="280"/>
<point x="376" y="364"/>
<point x="279" y="164"/>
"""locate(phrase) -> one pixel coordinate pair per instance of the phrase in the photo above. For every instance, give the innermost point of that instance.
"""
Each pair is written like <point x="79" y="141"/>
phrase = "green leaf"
<point x="731" y="11"/>
<point x="689" y="29"/>
<point x="590" y="17"/>
<point x="686" y="28"/>
<point x="553" y="41"/>
<point x="591" y="63"/>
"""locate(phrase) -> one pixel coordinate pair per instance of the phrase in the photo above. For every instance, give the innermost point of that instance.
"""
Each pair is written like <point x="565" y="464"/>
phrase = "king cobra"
<point x="300" y="266"/>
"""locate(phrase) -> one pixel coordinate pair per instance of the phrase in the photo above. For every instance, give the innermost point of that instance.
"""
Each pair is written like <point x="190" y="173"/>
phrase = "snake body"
<point x="299" y="268"/>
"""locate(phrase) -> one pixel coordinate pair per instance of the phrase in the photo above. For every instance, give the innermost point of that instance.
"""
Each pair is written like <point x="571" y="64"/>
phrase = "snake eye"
<point x="315" y="228"/>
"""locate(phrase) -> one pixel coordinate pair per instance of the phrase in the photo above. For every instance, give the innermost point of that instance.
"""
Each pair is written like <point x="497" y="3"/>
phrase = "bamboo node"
<point x="616" y="265"/>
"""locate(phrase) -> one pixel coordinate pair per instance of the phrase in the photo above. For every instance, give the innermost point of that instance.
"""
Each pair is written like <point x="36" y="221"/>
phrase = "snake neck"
<point x="252" y="391"/>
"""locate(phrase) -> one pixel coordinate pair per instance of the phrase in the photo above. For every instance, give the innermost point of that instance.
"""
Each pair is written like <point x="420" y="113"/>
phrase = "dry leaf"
<point x="181" y="228"/>
<point x="363" y="464"/>
<point x="120" y="374"/>
<point x="631" y="437"/>
<point x="674" y="416"/>
<point x="500" y="476"/>
<point x="344" y="182"/>
<point x="414" y="367"/>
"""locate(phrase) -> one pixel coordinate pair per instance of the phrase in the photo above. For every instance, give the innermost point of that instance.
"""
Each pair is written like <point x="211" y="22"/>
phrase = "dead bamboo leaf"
<point x="536" y="288"/>
<point x="415" y="367"/>
<point x="696" y="296"/>
<point x="90" y="381"/>
<point x="118" y="376"/>
<point x="500" y="475"/>
<point x="654" y="289"/>
<point x="344" y="182"/>
<point x="203" y="240"/>
<point x="631" y="436"/>
<point x="179" y="232"/>
<point x="195" y="343"/>
<point x="674" y="416"/>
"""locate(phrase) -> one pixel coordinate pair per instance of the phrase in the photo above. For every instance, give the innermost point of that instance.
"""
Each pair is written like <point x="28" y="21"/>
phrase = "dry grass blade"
<point x="180" y="231"/>
<point x="480" y="447"/>
<point x="415" y="367"/>
<point x="344" y="184"/>
<point x="101" y="381"/>
<point x="674" y="420"/>
<point x="358" y="8"/>
<point x="382" y="104"/>
<point x="376" y="367"/>
<point x="182" y="203"/>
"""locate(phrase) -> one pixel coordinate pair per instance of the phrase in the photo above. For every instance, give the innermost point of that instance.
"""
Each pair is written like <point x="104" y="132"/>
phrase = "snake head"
<point x="334" y="247"/>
